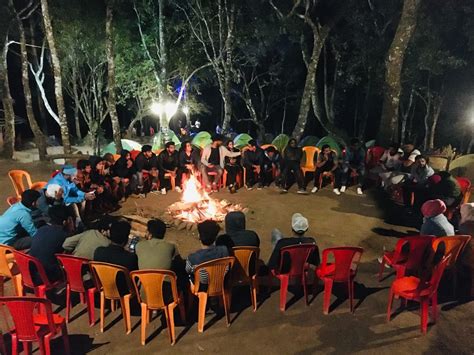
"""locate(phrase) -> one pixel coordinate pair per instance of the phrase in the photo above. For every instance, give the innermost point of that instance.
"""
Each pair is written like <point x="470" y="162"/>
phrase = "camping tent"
<point x="281" y="141"/>
<point x="463" y="166"/>
<point x="309" y="141"/>
<point x="242" y="140"/>
<point x="158" y="141"/>
<point x="202" y="139"/>
<point x="127" y="144"/>
<point x="331" y="142"/>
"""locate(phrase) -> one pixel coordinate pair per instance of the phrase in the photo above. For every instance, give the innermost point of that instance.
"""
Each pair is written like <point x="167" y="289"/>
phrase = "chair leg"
<point x="125" y="304"/>
<point x="283" y="291"/>
<point x="424" y="314"/>
<point x="145" y="317"/>
<point x="169" y="314"/>
<point x="14" y="344"/>
<point x="327" y="295"/>
<point x="82" y="298"/>
<point x="27" y="347"/>
<point x="227" y="300"/>
<point x="91" y="306"/>
<point x="389" y="308"/>
<point x="16" y="279"/>
<point x="113" y="306"/>
<point x="41" y="347"/>
<point x="68" y="302"/>
<point x="305" y="291"/>
<point x="253" y="292"/>
<point x="382" y="267"/>
<point x="202" y="310"/>
<point x="102" y="311"/>
<point x="65" y="336"/>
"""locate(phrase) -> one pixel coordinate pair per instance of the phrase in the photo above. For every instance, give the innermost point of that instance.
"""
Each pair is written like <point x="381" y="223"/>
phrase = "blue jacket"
<point x="72" y="194"/>
<point x="18" y="215"/>
<point x="438" y="226"/>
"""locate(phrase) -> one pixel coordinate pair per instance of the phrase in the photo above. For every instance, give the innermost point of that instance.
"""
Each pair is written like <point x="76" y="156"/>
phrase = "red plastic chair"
<point x="24" y="261"/>
<point x="411" y="260"/>
<point x="31" y="326"/>
<point x="134" y="154"/>
<point x="373" y="156"/>
<point x="422" y="291"/>
<point x="73" y="267"/>
<point x="299" y="268"/>
<point x="344" y="269"/>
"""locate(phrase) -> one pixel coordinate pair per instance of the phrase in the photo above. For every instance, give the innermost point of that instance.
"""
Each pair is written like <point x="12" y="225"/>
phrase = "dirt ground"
<point x="349" y="220"/>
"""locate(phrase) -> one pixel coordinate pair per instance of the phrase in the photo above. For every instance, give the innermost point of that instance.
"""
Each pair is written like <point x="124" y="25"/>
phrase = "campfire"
<point x="197" y="206"/>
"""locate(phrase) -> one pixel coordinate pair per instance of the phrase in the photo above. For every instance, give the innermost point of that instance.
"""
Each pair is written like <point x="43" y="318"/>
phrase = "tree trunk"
<point x="58" y="87"/>
<point x="38" y="135"/>
<point x="8" y="112"/>
<point x="75" y="95"/>
<point x="229" y="43"/>
<point x="438" y="103"/>
<point x="163" y="52"/>
<point x="405" y="114"/>
<point x="111" y="77"/>
<point x="388" y="130"/>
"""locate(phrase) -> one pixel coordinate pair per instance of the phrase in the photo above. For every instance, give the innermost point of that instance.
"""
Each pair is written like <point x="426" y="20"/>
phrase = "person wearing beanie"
<point x="434" y="221"/>
<point x="208" y="231"/>
<point x="16" y="224"/>
<point x="299" y="226"/>
<point x="146" y="164"/>
<point x="252" y="160"/>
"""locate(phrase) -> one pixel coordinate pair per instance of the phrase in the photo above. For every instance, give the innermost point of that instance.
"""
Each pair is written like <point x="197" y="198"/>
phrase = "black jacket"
<point x="167" y="161"/>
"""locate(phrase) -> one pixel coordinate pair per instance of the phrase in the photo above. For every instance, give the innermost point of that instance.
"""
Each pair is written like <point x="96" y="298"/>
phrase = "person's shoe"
<point x="163" y="191"/>
<point x="359" y="191"/>
<point x="301" y="191"/>
<point x="336" y="191"/>
<point x="249" y="188"/>
<point x="284" y="191"/>
<point x="380" y="258"/>
<point x="259" y="186"/>
<point x="141" y="195"/>
<point x="314" y="190"/>
<point x="343" y="189"/>
<point x="214" y="187"/>
<point x="178" y="189"/>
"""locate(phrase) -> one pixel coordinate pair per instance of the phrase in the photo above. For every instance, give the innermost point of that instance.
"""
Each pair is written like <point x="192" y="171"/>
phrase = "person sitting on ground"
<point x="417" y="182"/>
<point x="390" y="162"/>
<point x="124" y="169"/>
<point x="252" y="161"/>
<point x="233" y="167"/>
<point x="327" y="165"/>
<point x="353" y="166"/>
<point x="168" y="164"/>
<point x="188" y="161"/>
<point x="154" y="252"/>
<point x="83" y="178"/>
<point x="292" y="167"/>
<point x="146" y="163"/>
<point x="84" y="245"/>
<point x="49" y="239"/>
<point x="208" y="231"/>
<point x="235" y="233"/>
<point x="50" y="196"/>
<point x="115" y="253"/>
<point x="271" y="166"/>
<point x="16" y="224"/>
<point x="299" y="226"/>
<point x="446" y="189"/>
<point x="212" y="160"/>
<point x="434" y="221"/>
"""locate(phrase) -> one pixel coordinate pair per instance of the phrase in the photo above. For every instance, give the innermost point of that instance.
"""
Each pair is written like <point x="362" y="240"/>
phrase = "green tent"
<point x="281" y="141"/>
<point x="309" y="141"/>
<point x="158" y="141"/>
<point x="242" y="140"/>
<point x="331" y="142"/>
<point x="201" y="139"/>
<point x="370" y="144"/>
<point x="127" y="144"/>
<point x="463" y="166"/>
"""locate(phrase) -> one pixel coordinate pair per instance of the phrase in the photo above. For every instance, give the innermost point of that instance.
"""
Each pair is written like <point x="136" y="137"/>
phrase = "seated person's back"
<point x="434" y="221"/>
<point x="155" y="252"/>
<point x="236" y="234"/>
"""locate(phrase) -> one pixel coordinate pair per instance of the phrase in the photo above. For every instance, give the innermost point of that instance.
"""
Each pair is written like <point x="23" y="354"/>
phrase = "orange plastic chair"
<point x="216" y="275"/>
<point x="309" y="166"/>
<point x="411" y="260"/>
<point x="244" y="271"/>
<point x="11" y="200"/>
<point x="344" y="269"/>
<point x="8" y="269"/>
<point x="105" y="276"/>
<point x="18" y="178"/>
<point x="31" y="326"/>
<point x="116" y="157"/>
<point x="151" y="283"/>
<point x="299" y="268"/>
<point x="422" y="291"/>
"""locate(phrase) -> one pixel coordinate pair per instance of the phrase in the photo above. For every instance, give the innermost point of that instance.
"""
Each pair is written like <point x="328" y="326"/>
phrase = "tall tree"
<point x="58" y="87"/>
<point x="393" y="68"/>
<point x="112" y="101"/>
<point x="7" y="101"/>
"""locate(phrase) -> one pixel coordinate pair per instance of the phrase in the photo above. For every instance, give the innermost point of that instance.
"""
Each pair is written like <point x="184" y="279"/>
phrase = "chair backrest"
<point x="453" y="245"/>
<point x="39" y="185"/>
<point x="22" y="311"/>
<point x="105" y="276"/>
<point x="465" y="185"/>
<point x="309" y="153"/>
<point x="151" y="283"/>
<point x="346" y="260"/>
<point x="436" y="274"/>
<point x="17" y="176"/>
<point x="73" y="267"/>
<point x="134" y="153"/>
<point x="373" y="156"/>
<point x="417" y="250"/>
<point x="245" y="265"/>
<point x="11" y="200"/>
<point x="5" y="263"/>
<point x="25" y="264"/>
<point x="216" y="274"/>
<point x="116" y="157"/>
<point x="298" y="255"/>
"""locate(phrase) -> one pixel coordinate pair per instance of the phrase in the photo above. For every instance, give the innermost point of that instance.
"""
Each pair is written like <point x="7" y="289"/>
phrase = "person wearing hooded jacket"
<point x="236" y="234"/>
<point x="434" y="221"/>
<point x="292" y="166"/>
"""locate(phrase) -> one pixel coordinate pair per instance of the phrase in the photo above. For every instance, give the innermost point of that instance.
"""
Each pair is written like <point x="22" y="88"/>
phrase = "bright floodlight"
<point x="185" y="110"/>
<point x="170" y="109"/>
<point x="156" y="108"/>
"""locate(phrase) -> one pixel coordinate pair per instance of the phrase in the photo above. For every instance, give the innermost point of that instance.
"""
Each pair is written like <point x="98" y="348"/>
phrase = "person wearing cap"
<point x="299" y="226"/>
<point x="434" y="221"/>
<point x="252" y="160"/>
<point x="213" y="160"/>
<point x="168" y="163"/>
<point x="16" y="224"/>
<point x="50" y="196"/>
<point x="146" y="163"/>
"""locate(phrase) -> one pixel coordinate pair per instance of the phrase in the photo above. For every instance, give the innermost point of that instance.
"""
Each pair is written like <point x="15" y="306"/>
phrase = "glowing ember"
<point x="197" y="206"/>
